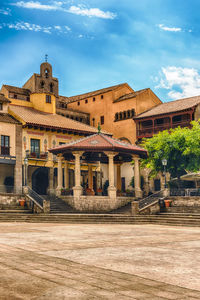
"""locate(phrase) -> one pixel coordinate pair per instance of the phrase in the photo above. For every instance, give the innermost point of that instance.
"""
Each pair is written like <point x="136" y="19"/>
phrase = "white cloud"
<point x="172" y="29"/>
<point x="58" y="27"/>
<point x="67" y="28"/>
<point x="58" y="5"/>
<point x="91" y="12"/>
<point x="5" y="11"/>
<point x="182" y="82"/>
<point x="38" y="5"/>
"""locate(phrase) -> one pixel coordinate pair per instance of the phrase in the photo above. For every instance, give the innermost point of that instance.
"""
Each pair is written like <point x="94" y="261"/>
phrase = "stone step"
<point x="98" y="219"/>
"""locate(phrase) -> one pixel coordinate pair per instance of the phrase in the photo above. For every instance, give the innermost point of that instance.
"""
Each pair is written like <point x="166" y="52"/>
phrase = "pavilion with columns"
<point x="102" y="149"/>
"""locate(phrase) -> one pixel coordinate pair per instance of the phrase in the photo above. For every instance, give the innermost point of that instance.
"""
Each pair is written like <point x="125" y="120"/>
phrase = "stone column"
<point x="90" y="177"/>
<point x="138" y="191"/>
<point x="111" y="188"/>
<point x="77" y="188"/>
<point x="18" y="165"/>
<point x="66" y="175"/>
<point x="59" y="174"/>
<point x="119" y="181"/>
<point x="51" y="175"/>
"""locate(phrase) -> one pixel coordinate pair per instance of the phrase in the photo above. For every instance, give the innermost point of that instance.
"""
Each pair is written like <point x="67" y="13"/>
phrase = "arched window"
<point x="124" y="114"/>
<point x="132" y="112"/>
<point x="128" y="114"/>
<point x="116" y="117"/>
<point x="42" y="84"/>
<point x="120" y="116"/>
<point x="51" y="87"/>
<point x="47" y="73"/>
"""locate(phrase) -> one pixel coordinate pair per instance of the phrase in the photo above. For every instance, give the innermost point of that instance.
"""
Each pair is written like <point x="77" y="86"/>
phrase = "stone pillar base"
<point x="58" y="191"/>
<point x="46" y="206"/>
<point x="25" y="189"/>
<point x="77" y="191"/>
<point x="166" y="193"/>
<point x="135" y="208"/>
<point x="138" y="193"/>
<point x="112" y="192"/>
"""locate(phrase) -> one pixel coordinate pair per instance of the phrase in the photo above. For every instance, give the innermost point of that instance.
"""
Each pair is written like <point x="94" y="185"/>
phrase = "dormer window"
<point x="47" y="73"/>
<point x="51" y="87"/>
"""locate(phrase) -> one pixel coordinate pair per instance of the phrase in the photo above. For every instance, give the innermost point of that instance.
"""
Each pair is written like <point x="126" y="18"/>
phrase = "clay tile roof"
<point x="91" y="94"/>
<point x="35" y="117"/>
<point x="4" y="99"/>
<point x="99" y="142"/>
<point x="17" y="90"/>
<point x="6" y="118"/>
<point x="169" y="107"/>
<point x="131" y="95"/>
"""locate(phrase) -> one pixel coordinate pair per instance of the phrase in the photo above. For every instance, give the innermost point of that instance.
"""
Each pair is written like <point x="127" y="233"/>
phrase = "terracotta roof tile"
<point x="4" y="99"/>
<point x="99" y="142"/>
<point x="131" y="95"/>
<point x="35" y="117"/>
<point x="169" y="107"/>
<point x="6" y="118"/>
<point x="17" y="90"/>
<point x="90" y="94"/>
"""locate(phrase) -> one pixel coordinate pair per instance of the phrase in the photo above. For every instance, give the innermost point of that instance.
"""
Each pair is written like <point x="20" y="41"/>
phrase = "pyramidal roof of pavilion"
<point x="97" y="143"/>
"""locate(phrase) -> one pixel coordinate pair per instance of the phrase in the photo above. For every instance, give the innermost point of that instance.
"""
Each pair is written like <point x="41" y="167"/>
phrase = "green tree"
<point x="180" y="146"/>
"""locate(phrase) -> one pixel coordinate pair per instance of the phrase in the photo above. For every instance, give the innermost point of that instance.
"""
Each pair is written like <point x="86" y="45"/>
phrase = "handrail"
<point x="34" y="197"/>
<point x="143" y="203"/>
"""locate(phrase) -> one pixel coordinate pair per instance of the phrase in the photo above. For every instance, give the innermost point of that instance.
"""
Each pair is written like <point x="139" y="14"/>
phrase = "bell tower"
<point x="43" y="82"/>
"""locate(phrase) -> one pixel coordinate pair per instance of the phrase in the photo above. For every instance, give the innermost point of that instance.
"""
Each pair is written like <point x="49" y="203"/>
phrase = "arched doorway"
<point x="157" y="185"/>
<point x="40" y="180"/>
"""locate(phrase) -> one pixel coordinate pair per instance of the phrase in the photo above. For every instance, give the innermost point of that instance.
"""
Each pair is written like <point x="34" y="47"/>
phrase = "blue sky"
<point x="97" y="43"/>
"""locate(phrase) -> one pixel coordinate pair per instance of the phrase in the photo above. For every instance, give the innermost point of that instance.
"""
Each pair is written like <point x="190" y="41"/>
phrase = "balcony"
<point x="37" y="155"/>
<point x="150" y="131"/>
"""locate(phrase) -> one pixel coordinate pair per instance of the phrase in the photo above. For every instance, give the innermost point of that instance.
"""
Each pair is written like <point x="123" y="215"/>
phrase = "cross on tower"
<point x="46" y="57"/>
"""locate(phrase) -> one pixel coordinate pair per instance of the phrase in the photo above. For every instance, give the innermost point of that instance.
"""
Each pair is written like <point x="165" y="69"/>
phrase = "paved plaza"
<point x="65" y="261"/>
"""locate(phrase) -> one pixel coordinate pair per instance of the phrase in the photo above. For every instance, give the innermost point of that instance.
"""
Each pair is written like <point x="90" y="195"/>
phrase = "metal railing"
<point x="37" y="155"/>
<point x="5" y="150"/>
<point x="36" y="198"/>
<point x="150" y="199"/>
<point x="8" y="189"/>
<point x="185" y="192"/>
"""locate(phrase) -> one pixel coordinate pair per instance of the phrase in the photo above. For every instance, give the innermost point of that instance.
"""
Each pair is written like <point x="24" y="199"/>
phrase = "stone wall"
<point x="185" y="201"/>
<point x="96" y="204"/>
<point x="11" y="200"/>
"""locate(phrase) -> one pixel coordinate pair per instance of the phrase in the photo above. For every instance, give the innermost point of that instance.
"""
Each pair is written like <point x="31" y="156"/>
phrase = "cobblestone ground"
<point x="62" y="261"/>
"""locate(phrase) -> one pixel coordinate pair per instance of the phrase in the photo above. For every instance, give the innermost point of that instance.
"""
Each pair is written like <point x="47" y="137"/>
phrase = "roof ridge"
<point x="112" y="86"/>
<point x="105" y="137"/>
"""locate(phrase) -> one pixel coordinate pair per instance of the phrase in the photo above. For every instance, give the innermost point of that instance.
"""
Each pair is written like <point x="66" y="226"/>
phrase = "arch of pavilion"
<point x="102" y="149"/>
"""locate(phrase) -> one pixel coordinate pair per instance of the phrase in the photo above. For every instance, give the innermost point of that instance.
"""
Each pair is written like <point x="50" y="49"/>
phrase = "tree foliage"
<point x="180" y="146"/>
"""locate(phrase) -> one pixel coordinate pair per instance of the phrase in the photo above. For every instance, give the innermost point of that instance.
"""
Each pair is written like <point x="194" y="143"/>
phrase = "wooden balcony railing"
<point x="149" y="131"/>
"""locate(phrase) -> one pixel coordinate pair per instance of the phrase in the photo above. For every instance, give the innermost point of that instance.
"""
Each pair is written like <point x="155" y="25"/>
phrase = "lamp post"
<point x="25" y="170"/>
<point x="164" y="163"/>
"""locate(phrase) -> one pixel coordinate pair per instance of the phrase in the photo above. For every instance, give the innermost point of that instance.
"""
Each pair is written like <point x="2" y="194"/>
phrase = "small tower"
<point x="43" y="82"/>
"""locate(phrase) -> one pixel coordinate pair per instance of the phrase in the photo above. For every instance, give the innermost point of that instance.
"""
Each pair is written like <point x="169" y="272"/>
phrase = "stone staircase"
<point x="58" y="206"/>
<point x="162" y="219"/>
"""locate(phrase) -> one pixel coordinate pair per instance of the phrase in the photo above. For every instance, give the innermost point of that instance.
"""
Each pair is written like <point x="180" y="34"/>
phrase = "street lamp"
<point x="25" y="169"/>
<point x="164" y="163"/>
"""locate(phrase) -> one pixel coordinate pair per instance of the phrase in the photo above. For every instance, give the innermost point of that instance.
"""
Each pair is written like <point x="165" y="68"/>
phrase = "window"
<point x="124" y="114"/>
<point x="48" y="99"/>
<point x="176" y="119"/>
<point x="101" y="96"/>
<point x="1" y="106"/>
<point x="116" y="117"/>
<point x="42" y="84"/>
<point x="78" y="103"/>
<point x="51" y="87"/>
<point x="5" y="145"/>
<point x="120" y="116"/>
<point x="35" y="147"/>
<point x="86" y="101"/>
<point x="93" y="99"/>
<point x="132" y="112"/>
<point x="102" y="120"/>
<point x="93" y="121"/>
<point x="15" y="96"/>
<point x="27" y="98"/>
<point x="46" y="73"/>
